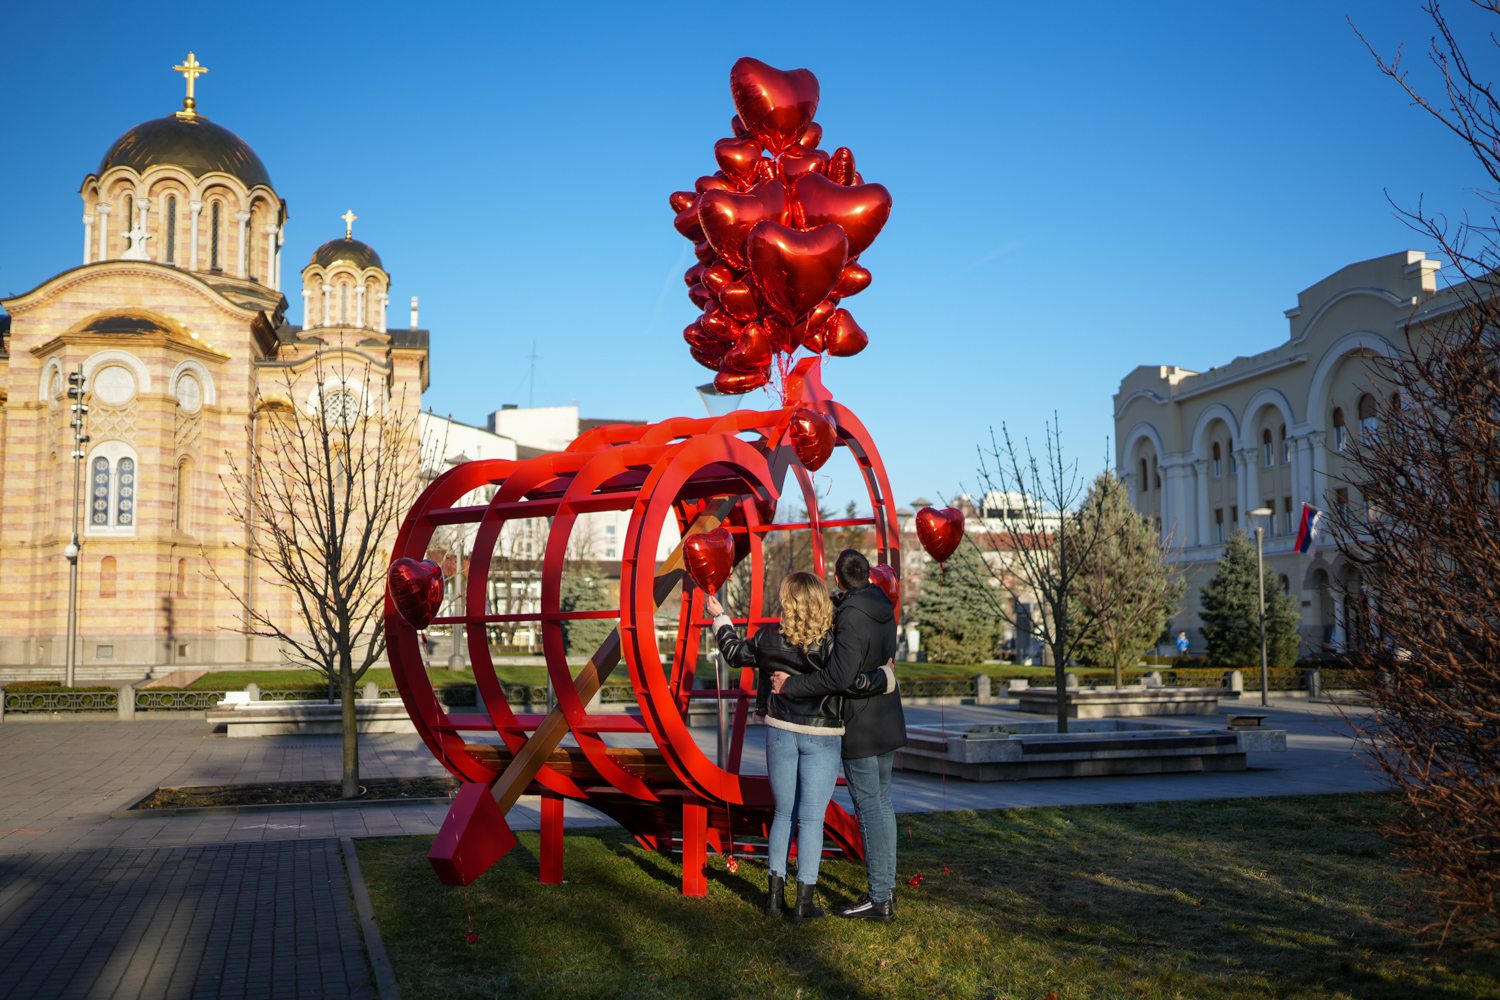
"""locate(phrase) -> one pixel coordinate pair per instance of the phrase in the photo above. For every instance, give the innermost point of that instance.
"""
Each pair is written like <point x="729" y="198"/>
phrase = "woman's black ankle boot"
<point x="774" y="900"/>
<point x="807" y="909"/>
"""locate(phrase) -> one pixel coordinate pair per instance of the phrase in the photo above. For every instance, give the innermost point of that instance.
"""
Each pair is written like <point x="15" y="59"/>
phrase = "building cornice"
<point x="84" y="273"/>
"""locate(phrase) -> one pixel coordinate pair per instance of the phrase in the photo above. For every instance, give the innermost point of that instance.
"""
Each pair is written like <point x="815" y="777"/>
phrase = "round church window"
<point x="341" y="408"/>
<point x="54" y="385"/>
<point x="189" y="393"/>
<point x="113" y="385"/>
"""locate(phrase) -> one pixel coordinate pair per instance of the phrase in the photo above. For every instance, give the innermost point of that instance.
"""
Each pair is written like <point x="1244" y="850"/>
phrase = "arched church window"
<point x="127" y="223"/>
<point x="248" y="234"/>
<point x="99" y="483"/>
<point x="171" y="254"/>
<point x="1156" y="472"/>
<point x="184" y="495"/>
<point x="1229" y="447"/>
<point x="213" y="238"/>
<point x="1369" y="421"/>
<point x="1267" y="448"/>
<point x="1145" y="482"/>
<point x="343" y="304"/>
<point x="125" y="502"/>
<point x="1218" y="461"/>
<point x="1286" y="447"/>
<point x="107" y="576"/>
<point x="1340" y="431"/>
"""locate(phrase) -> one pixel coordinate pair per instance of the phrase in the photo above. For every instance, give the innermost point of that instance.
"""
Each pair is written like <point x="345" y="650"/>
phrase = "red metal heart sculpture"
<point x="775" y="105"/>
<point x="726" y="218"/>
<point x="416" y="589"/>
<point x="860" y="209"/>
<point x="940" y="531"/>
<point x="740" y="161"/>
<point x="885" y="578"/>
<point x="795" y="271"/>
<point x="813" y="437"/>
<point x="709" y="557"/>
<point x="842" y="337"/>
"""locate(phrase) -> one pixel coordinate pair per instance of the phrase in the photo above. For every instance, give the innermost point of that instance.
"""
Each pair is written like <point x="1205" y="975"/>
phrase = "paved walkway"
<point x="63" y="779"/>
<point x="223" y="921"/>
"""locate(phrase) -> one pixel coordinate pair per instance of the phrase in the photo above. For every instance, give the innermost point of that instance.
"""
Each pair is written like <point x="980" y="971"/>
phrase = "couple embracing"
<point x="826" y="690"/>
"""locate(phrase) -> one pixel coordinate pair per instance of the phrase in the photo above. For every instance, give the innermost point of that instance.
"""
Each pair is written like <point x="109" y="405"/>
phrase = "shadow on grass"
<point x="1238" y="898"/>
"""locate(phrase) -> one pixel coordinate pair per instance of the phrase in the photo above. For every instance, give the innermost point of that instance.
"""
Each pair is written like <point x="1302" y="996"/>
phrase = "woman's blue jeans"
<point x="803" y="769"/>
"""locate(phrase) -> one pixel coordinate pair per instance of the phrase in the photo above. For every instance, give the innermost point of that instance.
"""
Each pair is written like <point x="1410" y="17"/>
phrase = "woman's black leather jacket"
<point x="768" y="651"/>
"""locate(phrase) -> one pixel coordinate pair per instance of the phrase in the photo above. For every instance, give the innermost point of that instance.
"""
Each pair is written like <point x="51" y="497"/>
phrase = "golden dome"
<point x="191" y="142"/>
<point x="348" y="251"/>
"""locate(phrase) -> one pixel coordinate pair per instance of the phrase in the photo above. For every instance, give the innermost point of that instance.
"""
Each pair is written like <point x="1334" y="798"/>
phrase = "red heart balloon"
<point x="740" y="161"/>
<point x="775" y="105"/>
<point x="737" y="383"/>
<point x="798" y="162"/>
<point x="716" y="322"/>
<point x="794" y="270"/>
<point x="884" y="577"/>
<point x="739" y="301"/>
<point x="687" y="222"/>
<point x="751" y="353"/>
<point x="855" y="279"/>
<point x="860" y="209"/>
<point x="714" y="183"/>
<point x="717" y="276"/>
<point x="813" y="437"/>
<point x="812" y="327"/>
<point x="699" y="295"/>
<point x="682" y="200"/>
<point x="811" y="136"/>
<point x="416" y="590"/>
<point x="697" y="334"/>
<point x="738" y="127"/>
<point x="785" y="338"/>
<point x="708" y="558"/>
<point x="709" y="357"/>
<point x="840" y="167"/>
<point x="727" y="218"/>
<point x="842" y="337"/>
<point x="940" y="531"/>
<point x="704" y="252"/>
<point x="694" y="274"/>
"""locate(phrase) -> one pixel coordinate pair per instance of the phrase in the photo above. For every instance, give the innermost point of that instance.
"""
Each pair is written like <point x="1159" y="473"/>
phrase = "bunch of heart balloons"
<point x="778" y="230"/>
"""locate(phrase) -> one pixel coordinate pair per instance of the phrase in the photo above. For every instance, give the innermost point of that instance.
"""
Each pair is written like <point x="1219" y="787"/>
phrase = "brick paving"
<point x="214" y="921"/>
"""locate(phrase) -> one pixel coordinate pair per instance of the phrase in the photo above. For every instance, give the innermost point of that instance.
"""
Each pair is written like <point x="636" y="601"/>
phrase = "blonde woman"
<point x="803" y="735"/>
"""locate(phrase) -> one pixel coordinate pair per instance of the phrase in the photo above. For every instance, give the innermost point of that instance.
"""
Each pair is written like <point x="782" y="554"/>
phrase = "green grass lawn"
<point x="1246" y="898"/>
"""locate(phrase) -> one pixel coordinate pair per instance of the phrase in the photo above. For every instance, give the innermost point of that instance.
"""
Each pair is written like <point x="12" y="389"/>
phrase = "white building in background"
<point x="1272" y="430"/>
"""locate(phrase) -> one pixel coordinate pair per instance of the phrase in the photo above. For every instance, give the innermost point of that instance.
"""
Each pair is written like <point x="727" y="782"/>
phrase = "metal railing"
<point x="62" y="701"/>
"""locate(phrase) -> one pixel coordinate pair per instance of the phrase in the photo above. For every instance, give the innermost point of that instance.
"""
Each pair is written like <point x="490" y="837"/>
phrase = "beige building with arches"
<point x="176" y="318"/>
<point x="1200" y="450"/>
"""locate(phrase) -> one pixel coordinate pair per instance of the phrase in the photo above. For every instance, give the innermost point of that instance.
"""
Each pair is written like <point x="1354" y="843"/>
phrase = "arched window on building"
<point x="127" y="223"/>
<point x="1267" y="448"/>
<point x="1218" y="524"/>
<point x="1369" y="421"/>
<point x="1340" y="432"/>
<point x="182" y="578"/>
<point x="107" y="576"/>
<point x="113" y="490"/>
<point x="343" y="304"/>
<point x="213" y="236"/>
<point x="182" y="507"/>
<point x="1286" y="447"/>
<point x="1218" y="461"/>
<point x="1145" y="480"/>
<point x="1156" y="472"/>
<point x="171" y="234"/>
<point x="1229" y="447"/>
<point x="248" y="235"/>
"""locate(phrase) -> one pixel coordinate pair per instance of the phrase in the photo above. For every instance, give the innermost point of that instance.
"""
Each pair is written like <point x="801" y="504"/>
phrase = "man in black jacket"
<point x="864" y="639"/>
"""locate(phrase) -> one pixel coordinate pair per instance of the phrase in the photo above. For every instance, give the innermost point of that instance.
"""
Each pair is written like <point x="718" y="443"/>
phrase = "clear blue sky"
<point x="1078" y="188"/>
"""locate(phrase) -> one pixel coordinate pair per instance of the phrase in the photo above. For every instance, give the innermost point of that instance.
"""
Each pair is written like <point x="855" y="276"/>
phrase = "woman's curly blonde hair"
<point x="806" y="611"/>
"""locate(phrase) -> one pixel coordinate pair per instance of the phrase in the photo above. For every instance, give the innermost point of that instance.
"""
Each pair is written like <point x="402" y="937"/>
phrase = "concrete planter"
<point x="1128" y="701"/>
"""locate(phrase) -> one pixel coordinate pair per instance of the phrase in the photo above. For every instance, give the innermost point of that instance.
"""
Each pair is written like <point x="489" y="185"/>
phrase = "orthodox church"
<point x="175" y="319"/>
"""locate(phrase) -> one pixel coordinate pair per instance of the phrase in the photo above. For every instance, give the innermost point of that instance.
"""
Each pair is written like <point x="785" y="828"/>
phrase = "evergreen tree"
<point x="1231" y="612"/>
<point x="584" y="588"/>
<point x="1125" y="584"/>
<point x="954" y="609"/>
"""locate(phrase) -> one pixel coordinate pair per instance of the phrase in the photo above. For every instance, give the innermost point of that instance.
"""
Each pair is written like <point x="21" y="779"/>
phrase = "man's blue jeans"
<point x="804" y="770"/>
<point x="870" y="787"/>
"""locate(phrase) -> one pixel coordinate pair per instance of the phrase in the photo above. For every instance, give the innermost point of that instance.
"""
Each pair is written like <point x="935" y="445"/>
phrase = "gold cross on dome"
<point x="192" y="70"/>
<point x="349" y="218"/>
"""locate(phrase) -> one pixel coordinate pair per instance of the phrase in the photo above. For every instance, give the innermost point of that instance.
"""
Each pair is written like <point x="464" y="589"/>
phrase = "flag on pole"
<point x="1307" y="533"/>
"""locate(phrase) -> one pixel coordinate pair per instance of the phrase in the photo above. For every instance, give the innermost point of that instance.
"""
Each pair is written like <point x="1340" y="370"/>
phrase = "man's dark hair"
<point x="853" y="569"/>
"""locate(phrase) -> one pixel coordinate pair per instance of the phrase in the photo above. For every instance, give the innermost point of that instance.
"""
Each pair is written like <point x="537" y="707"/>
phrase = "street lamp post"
<point x="76" y="389"/>
<point x="1260" y="586"/>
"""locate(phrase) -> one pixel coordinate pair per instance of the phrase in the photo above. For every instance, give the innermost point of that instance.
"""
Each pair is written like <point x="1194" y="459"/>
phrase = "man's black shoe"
<point x="865" y="908"/>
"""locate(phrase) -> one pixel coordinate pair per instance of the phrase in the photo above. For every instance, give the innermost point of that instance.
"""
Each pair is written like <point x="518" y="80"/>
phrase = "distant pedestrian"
<point x="1182" y="643"/>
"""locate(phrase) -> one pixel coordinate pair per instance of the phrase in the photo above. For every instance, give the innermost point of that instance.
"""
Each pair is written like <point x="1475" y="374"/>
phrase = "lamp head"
<point x="1262" y="512"/>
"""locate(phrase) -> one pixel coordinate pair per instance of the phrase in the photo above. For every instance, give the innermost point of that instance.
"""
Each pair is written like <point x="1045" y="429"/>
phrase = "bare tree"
<point x="1048" y="546"/>
<point x="1421" y="527"/>
<point x="320" y="498"/>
